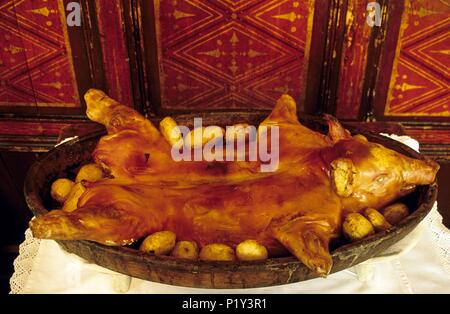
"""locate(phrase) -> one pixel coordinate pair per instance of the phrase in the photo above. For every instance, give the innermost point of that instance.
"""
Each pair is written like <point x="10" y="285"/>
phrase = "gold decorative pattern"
<point x="291" y="17"/>
<point x="444" y="51"/>
<point x="13" y="49"/>
<point x="288" y="23"/>
<point x="242" y="45"/>
<point x="43" y="11"/>
<point x="35" y="51"/>
<point x="242" y="48"/>
<point x="56" y="85"/>
<point x="406" y="87"/>
<point x="180" y="14"/>
<point x="420" y="79"/>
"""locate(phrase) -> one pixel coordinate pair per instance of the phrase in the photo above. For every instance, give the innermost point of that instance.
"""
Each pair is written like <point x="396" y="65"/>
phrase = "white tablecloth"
<point x="420" y="263"/>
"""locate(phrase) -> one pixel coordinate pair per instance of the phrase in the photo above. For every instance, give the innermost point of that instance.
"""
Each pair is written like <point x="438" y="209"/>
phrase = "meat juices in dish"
<point x="299" y="207"/>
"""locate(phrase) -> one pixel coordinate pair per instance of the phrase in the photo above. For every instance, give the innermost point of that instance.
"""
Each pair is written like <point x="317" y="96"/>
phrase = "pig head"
<point x="366" y="174"/>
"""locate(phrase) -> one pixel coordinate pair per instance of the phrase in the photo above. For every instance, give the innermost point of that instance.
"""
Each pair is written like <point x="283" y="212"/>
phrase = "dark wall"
<point x="15" y="213"/>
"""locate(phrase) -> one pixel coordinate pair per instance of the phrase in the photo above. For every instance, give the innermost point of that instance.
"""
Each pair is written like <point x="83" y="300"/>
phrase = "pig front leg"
<point x="105" y="224"/>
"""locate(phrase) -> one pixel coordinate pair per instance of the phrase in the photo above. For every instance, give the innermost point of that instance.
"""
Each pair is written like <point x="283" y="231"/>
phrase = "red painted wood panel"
<point x="427" y="135"/>
<point x="31" y="128"/>
<point x="231" y="54"/>
<point x="115" y="54"/>
<point x="35" y="57"/>
<point x="353" y="61"/>
<point x="419" y="83"/>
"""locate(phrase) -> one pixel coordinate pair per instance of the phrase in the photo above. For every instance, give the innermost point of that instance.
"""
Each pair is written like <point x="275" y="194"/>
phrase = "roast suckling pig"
<point x="298" y="207"/>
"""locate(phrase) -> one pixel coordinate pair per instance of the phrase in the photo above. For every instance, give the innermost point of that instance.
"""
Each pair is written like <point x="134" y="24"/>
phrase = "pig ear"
<point x="342" y="173"/>
<point x="285" y="111"/>
<point x="336" y="131"/>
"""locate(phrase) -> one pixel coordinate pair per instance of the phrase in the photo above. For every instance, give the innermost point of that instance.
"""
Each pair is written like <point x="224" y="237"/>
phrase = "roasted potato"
<point x="251" y="250"/>
<point x="159" y="243"/>
<point x="200" y="136"/>
<point x="71" y="202"/>
<point x="361" y="138"/>
<point x="357" y="227"/>
<point x="60" y="189"/>
<point x="377" y="219"/>
<point x="90" y="172"/>
<point x="395" y="213"/>
<point x="170" y="131"/>
<point x="217" y="252"/>
<point x="236" y="130"/>
<point x="185" y="250"/>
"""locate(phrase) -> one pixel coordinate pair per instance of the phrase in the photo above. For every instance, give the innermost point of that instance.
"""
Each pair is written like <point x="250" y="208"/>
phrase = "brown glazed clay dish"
<point x="63" y="161"/>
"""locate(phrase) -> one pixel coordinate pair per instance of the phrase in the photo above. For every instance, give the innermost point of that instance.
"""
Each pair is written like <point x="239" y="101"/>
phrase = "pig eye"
<point x="381" y="178"/>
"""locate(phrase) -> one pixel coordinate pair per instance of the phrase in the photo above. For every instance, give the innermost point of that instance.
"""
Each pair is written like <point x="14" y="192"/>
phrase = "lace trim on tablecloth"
<point x="23" y="264"/>
<point x="441" y="237"/>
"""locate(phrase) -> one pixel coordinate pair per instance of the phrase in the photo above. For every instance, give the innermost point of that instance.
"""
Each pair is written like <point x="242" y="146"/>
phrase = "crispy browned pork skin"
<point x="298" y="207"/>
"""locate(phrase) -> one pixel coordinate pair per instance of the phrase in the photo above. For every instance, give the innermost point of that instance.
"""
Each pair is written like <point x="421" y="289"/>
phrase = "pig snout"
<point x="420" y="172"/>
